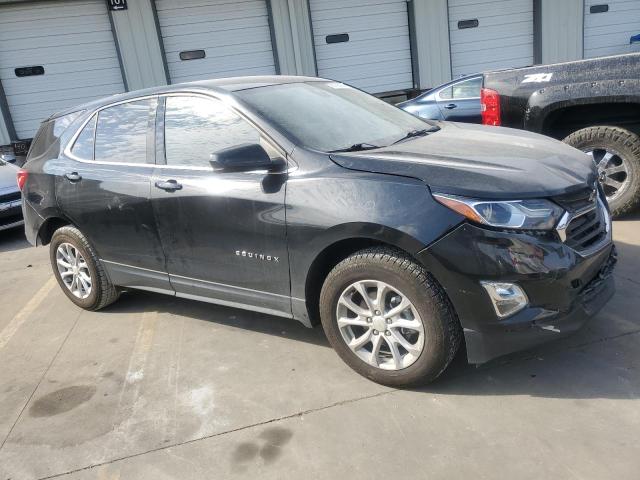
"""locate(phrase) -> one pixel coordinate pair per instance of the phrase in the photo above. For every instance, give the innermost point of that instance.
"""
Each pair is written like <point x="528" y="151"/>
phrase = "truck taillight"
<point x="490" y="107"/>
<point x="22" y="178"/>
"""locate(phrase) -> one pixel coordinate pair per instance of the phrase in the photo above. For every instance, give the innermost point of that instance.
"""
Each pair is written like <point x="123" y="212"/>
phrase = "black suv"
<point x="306" y="198"/>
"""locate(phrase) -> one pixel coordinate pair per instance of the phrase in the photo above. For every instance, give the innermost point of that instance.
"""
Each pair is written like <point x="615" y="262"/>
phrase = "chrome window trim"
<point x="67" y="150"/>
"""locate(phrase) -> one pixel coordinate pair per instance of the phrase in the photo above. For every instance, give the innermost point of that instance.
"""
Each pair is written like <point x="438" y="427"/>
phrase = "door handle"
<point x="450" y="106"/>
<point x="73" y="177"/>
<point x="168" y="185"/>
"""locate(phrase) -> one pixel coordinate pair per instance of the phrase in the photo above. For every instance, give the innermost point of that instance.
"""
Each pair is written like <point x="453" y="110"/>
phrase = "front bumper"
<point x="564" y="288"/>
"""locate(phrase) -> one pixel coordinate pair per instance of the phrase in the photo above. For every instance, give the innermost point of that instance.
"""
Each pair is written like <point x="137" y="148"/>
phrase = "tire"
<point x="401" y="274"/>
<point x="101" y="292"/>
<point x="624" y="146"/>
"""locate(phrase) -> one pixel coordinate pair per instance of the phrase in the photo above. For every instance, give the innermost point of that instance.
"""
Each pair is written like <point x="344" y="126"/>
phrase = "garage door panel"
<point x="74" y="40"/>
<point x="496" y="45"/>
<point x="29" y="86"/>
<point x="383" y="47"/>
<point x="377" y="53"/>
<point x="218" y="40"/>
<point x="490" y="9"/>
<point x="65" y="54"/>
<point x="51" y="10"/>
<point x="361" y="11"/>
<point x="608" y="33"/>
<point x="327" y="27"/>
<point x="502" y="39"/>
<point x="235" y="37"/>
<point x="74" y="44"/>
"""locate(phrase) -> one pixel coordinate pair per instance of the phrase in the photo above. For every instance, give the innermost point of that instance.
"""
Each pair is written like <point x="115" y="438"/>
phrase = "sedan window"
<point x="465" y="89"/>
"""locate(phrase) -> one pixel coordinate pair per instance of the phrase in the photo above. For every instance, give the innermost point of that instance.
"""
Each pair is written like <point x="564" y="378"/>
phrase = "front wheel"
<point x="78" y="270"/>
<point x="388" y="319"/>
<point x="616" y="153"/>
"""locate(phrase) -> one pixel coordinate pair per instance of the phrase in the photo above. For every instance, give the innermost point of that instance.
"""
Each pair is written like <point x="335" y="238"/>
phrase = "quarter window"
<point x="196" y="127"/>
<point x="83" y="146"/>
<point x="466" y="89"/>
<point x="122" y="131"/>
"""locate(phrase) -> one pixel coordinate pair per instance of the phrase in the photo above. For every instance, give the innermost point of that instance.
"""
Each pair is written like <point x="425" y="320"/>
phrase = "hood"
<point x="481" y="161"/>
<point x="8" y="176"/>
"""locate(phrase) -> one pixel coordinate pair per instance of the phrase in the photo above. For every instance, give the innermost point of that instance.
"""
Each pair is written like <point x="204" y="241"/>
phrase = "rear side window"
<point x="467" y="89"/>
<point x="49" y="133"/>
<point x="196" y="127"/>
<point x="83" y="146"/>
<point x="122" y="132"/>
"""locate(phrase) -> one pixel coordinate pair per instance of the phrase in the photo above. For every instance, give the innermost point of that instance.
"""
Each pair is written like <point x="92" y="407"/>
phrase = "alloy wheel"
<point x="613" y="173"/>
<point x="380" y="325"/>
<point x="73" y="270"/>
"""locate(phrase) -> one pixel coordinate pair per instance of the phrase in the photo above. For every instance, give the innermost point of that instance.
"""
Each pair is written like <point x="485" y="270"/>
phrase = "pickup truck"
<point x="593" y="105"/>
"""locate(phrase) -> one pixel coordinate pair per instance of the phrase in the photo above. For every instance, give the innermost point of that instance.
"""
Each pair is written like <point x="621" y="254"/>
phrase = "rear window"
<point x="122" y="132"/>
<point x="49" y="133"/>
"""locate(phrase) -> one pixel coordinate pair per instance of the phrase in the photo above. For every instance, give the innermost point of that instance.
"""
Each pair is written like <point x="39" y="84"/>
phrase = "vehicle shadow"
<point x="13" y="240"/>
<point x="139" y="302"/>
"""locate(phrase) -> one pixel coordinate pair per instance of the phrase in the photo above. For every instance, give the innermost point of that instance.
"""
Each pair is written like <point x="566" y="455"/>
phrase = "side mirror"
<point x="247" y="156"/>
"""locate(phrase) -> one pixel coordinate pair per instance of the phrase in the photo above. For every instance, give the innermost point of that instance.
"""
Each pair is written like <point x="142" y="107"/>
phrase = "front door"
<point x="104" y="186"/>
<point x="223" y="232"/>
<point x="460" y="102"/>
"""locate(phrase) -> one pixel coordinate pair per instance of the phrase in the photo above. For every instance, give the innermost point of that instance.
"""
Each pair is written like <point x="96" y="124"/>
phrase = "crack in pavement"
<point x="319" y="409"/>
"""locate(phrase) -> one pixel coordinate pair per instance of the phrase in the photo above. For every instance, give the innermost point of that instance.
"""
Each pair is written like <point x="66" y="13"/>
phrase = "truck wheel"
<point x="388" y="318"/>
<point x="616" y="152"/>
<point x="79" y="271"/>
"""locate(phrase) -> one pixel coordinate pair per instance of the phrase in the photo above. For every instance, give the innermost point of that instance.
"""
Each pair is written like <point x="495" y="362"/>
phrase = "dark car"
<point x="309" y="199"/>
<point x="10" y="197"/>
<point x="457" y="101"/>
<point x="593" y="105"/>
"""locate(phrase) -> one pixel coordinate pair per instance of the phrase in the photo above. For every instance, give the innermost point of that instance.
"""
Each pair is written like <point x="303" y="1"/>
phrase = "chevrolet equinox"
<point x="309" y="199"/>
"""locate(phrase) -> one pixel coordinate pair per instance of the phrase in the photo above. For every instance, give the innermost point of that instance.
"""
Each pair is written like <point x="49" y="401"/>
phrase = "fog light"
<point x="507" y="298"/>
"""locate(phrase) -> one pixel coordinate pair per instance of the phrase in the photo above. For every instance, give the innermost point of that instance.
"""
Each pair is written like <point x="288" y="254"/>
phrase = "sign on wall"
<point x="117" y="4"/>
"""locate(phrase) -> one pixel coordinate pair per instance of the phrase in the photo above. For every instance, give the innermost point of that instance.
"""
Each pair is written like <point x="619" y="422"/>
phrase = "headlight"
<point x="516" y="214"/>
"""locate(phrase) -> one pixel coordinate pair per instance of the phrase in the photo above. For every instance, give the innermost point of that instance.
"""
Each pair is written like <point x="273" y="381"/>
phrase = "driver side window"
<point x="196" y="127"/>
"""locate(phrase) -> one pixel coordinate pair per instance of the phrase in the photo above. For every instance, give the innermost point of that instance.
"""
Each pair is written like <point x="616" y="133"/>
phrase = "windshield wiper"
<point x="356" y="147"/>
<point x="417" y="133"/>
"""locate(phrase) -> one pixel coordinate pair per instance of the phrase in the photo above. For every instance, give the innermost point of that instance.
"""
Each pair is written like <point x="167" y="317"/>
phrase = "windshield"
<point x="330" y="116"/>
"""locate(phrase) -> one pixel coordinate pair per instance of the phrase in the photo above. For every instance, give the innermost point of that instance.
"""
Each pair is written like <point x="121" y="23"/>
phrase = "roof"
<point x="222" y="85"/>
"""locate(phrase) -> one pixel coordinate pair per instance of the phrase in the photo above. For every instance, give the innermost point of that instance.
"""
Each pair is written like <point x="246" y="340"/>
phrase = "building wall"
<point x="561" y="30"/>
<point x="142" y="58"/>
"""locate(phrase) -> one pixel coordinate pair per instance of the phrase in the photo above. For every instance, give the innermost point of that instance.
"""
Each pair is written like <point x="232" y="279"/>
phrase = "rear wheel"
<point x="79" y="271"/>
<point x="616" y="153"/>
<point x="388" y="319"/>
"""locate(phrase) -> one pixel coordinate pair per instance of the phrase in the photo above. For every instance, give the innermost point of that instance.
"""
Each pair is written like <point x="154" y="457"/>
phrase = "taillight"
<point x="22" y="178"/>
<point x="490" y="107"/>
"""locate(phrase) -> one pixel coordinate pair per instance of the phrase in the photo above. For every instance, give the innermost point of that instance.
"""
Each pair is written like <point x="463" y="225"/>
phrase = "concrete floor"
<point x="156" y="387"/>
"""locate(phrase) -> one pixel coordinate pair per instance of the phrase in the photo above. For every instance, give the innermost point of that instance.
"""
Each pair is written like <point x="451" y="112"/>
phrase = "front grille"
<point x="587" y="230"/>
<point x="577" y="201"/>
<point x="9" y="197"/>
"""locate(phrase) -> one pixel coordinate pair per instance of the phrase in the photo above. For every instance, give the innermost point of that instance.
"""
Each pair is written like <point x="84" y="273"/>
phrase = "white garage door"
<point x="363" y="43"/>
<point x="487" y="35"/>
<point x="608" y="26"/>
<point x="215" y="38"/>
<point x="73" y="44"/>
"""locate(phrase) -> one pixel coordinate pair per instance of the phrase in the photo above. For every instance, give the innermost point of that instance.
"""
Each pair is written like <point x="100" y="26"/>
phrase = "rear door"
<point x="223" y="232"/>
<point x="103" y="185"/>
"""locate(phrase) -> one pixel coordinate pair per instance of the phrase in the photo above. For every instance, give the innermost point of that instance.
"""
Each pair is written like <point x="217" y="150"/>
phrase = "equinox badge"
<point x="257" y="256"/>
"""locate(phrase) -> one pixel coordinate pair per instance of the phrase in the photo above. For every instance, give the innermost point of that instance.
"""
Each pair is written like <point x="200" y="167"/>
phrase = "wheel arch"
<point x="339" y="249"/>
<point x="48" y="228"/>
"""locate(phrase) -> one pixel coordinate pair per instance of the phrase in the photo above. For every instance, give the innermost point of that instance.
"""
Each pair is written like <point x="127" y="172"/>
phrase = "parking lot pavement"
<point x="157" y="387"/>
